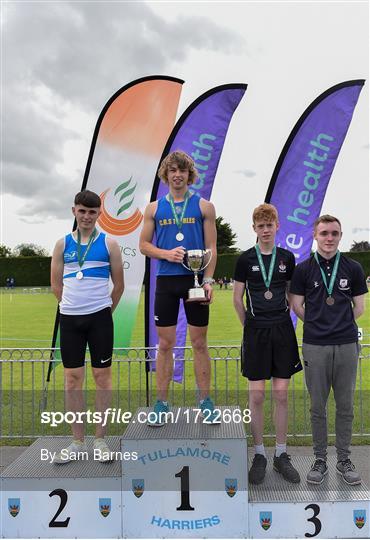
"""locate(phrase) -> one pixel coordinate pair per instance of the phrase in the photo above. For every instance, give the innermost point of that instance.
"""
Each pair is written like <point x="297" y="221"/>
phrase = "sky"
<point x="62" y="61"/>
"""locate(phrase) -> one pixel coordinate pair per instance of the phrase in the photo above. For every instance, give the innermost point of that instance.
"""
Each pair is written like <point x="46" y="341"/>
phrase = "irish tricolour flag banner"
<point x="128" y="142"/>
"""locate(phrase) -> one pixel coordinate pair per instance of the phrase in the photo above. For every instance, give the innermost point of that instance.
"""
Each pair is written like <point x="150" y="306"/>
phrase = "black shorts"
<point x="169" y="291"/>
<point x="270" y="352"/>
<point x="96" y="330"/>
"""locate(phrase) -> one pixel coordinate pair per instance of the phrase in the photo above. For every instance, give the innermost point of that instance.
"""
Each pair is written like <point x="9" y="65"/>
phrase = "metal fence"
<point x="25" y="393"/>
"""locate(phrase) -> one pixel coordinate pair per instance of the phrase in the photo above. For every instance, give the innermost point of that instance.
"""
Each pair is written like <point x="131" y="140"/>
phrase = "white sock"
<point x="280" y="449"/>
<point x="260" y="449"/>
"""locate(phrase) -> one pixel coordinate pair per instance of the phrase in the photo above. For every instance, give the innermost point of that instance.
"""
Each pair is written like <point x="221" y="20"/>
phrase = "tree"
<point x="5" y="251"/>
<point x="30" y="250"/>
<point x="360" y="246"/>
<point x="226" y="238"/>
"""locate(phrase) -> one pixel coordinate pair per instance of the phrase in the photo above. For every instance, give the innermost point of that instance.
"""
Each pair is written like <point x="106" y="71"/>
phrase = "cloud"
<point x="246" y="172"/>
<point x="66" y="57"/>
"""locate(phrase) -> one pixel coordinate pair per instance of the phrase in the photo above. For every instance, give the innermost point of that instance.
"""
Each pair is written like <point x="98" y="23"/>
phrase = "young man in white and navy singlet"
<point x="81" y="266"/>
<point x="181" y="221"/>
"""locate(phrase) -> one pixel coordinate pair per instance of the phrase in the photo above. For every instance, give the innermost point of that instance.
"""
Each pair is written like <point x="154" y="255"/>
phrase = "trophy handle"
<point x="187" y="268"/>
<point x="210" y="258"/>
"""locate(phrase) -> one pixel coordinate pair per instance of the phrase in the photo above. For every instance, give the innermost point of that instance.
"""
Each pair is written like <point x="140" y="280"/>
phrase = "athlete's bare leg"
<point x="202" y="363"/>
<point x="164" y="365"/>
<point x="74" y="378"/>
<point x="280" y="395"/>
<point x="103" y="396"/>
<point x="256" y="402"/>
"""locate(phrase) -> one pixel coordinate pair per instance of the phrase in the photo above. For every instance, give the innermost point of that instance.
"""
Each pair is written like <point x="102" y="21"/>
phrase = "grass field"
<point x="27" y="322"/>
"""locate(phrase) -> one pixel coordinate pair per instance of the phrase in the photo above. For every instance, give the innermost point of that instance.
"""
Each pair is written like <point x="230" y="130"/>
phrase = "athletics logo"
<point x="231" y="486"/>
<point x="69" y="257"/>
<point x="265" y="520"/>
<point x="120" y="227"/>
<point x="14" y="506"/>
<point x="105" y="507"/>
<point x="359" y="517"/>
<point x="138" y="487"/>
<point x="343" y="285"/>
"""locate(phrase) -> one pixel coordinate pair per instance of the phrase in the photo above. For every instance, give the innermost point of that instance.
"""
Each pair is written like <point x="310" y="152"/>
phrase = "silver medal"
<point x="179" y="236"/>
<point x="79" y="275"/>
<point x="268" y="295"/>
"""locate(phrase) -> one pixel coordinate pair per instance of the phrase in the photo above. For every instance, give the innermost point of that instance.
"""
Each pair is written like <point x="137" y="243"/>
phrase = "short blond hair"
<point x="265" y="212"/>
<point x="183" y="161"/>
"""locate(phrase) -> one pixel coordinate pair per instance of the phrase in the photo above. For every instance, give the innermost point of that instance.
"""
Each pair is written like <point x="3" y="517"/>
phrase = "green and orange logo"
<point x="120" y="227"/>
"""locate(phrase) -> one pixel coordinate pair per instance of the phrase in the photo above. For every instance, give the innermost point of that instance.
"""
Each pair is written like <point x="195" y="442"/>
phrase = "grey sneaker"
<point x="76" y="451"/>
<point x="283" y="466"/>
<point x="348" y="472"/>
<point x="318" y="471"/>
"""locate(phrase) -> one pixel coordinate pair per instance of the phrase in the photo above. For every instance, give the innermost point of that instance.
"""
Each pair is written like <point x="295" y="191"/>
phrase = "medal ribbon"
<point x="177" y="219"/>
<point x="266" y="279"/>
<point x="81" y="260"/>
<point x="333" y="275"/>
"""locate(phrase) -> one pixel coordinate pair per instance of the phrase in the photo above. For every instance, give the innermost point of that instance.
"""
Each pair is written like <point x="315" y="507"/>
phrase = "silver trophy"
<point x="196" y="260"/>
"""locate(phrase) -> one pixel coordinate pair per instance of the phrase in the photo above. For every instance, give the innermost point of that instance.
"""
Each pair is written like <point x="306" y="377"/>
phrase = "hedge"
<point x="226" y="263"/>
<point x="27" y="271"/>
<point x="35" y="271"/>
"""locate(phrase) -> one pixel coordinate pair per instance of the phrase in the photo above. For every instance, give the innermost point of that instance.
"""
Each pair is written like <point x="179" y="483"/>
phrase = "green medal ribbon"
<point x="82" y="259"/>
<point x="266" y="279"/>
<point x="178" y="220"/>
<point x="329" y="287"/>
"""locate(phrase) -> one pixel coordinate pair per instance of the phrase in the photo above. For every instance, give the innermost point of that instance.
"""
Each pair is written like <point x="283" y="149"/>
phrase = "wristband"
<point x="207" y="281"/>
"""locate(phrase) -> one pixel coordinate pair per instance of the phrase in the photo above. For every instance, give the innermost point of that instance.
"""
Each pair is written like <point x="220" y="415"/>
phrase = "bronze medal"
<point x="330" y="301"/>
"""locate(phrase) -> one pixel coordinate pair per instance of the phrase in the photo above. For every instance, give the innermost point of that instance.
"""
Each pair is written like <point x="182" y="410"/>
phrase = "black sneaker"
<point x="258" y="469"/>
<point x="283" y="466"/>
<point x="317" y="472"/>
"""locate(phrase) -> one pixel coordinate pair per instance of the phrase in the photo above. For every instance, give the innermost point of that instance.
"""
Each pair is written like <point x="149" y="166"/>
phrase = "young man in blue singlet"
<point x="181" y="221"/>
<point x="81" y="265"/>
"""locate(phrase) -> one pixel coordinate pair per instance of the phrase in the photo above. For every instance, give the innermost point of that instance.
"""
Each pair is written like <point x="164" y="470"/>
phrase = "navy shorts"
<point x="94" y="330"/>
<point x="270" y="352"/>
<point x="169" y="291"/>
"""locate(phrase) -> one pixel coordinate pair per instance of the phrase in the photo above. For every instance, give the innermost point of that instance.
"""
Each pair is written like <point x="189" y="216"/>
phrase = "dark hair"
<point x="326" y="218"/>
<point x="183" y="161"/>
<point x="88" y="198"/>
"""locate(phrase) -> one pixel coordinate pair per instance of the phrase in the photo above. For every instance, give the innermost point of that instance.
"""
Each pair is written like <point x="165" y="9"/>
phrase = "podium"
<point x="332" y="509"/>
<point x="80" y="499"/>
<point x="189" y="481"/>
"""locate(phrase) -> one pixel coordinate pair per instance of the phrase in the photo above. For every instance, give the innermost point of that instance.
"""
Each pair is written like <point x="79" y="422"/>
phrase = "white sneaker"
<point x="72" y="453"/>
<point x="102" y="451"/>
